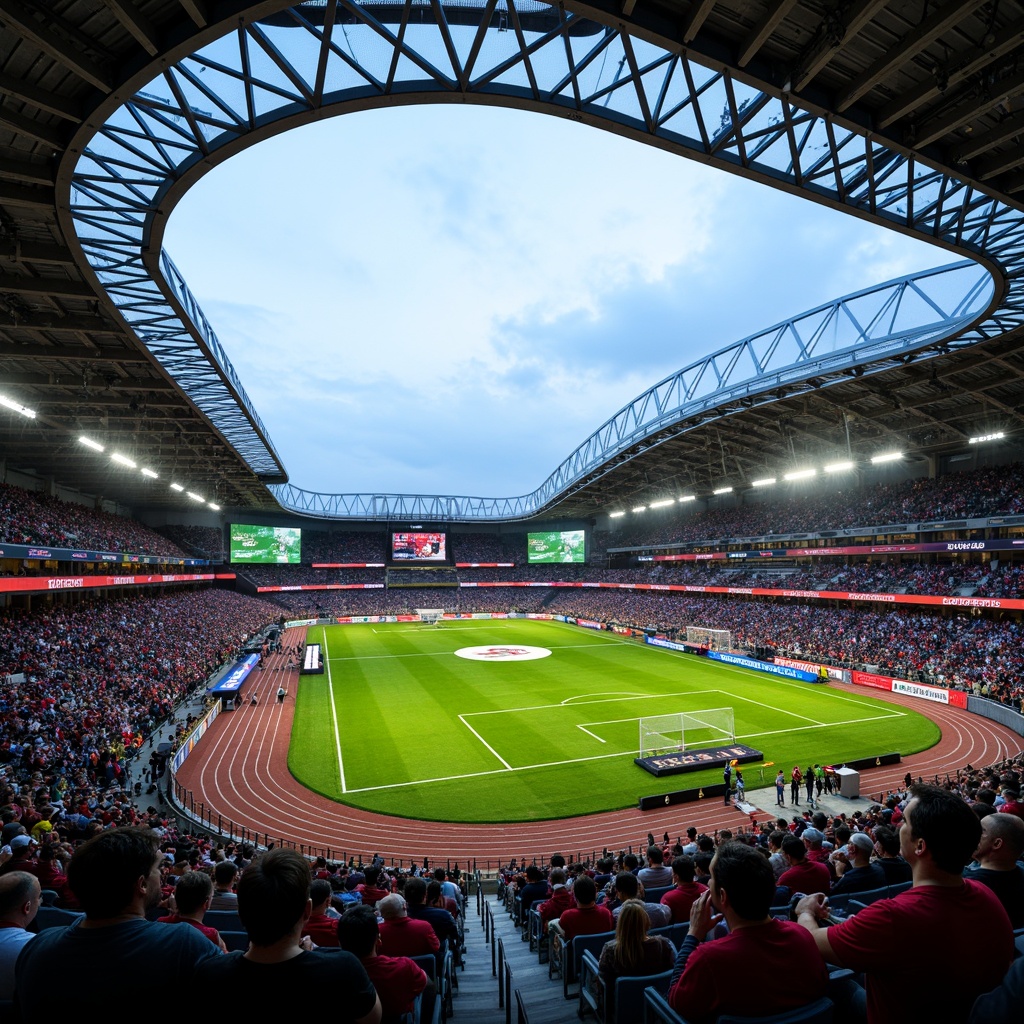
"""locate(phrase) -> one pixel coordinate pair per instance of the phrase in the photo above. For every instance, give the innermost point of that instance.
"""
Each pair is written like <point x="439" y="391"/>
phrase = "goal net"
<point x="713" y="639"/>
<point x="686" y="730"/>
<point x="431" y="616"/>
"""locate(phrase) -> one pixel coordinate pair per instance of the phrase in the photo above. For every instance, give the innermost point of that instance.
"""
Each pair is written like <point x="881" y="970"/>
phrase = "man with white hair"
<point x="401" y="935"/>
<point x="856" y="872"/>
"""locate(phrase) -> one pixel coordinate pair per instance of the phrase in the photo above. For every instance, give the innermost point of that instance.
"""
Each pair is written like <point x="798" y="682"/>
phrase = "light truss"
<point x="265" y="76"/>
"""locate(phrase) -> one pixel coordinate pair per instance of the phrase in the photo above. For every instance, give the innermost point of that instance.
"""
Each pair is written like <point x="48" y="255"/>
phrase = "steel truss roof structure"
<point x="720" y="82"/>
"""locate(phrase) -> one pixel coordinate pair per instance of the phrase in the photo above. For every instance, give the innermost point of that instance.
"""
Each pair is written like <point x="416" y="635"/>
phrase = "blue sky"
<point x="448" y="300"/>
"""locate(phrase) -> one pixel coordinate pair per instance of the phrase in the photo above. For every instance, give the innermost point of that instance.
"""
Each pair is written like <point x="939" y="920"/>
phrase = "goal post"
<point x="713" y="639"/>
<point x="430" y="616"/>
<point x="670" y="734"/>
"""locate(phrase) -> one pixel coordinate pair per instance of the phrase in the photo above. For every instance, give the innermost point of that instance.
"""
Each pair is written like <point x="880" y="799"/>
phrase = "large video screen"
<point x="262" y="545"/>
<point x="560" y="546"/>
<point x="419" y="547"/>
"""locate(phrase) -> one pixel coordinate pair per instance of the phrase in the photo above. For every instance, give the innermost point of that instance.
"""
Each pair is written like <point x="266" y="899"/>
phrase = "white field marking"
<point x="334" y="716"/>
<point x="574" y="760"/>
<point x="589" y="733"/>
<point x="601" y="700"/>
<point x="485" y="743"/>
<point x="761" y="704"/>
<point x="435" y="654"/>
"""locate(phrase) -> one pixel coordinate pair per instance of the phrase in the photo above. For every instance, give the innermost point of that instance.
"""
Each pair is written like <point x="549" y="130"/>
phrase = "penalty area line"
<point x="583" y="728"/>
<point x="485" y="743"/>
<point x="334" y="715"/>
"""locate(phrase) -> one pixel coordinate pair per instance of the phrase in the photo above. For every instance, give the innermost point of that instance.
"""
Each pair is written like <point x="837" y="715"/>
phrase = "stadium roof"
<point x="938" y="81"/>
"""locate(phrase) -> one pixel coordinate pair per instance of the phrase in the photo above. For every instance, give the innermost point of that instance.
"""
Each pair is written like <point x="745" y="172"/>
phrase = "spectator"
<point x="321" y="927"/>
<point x="999" y="850"/>
<point x="856" y="871"/>
<point x="656" y="874"/>
<point x="887" y="846"/>
<point x="680" y="898"/>
<point x="905" y="937"/>
<point x="440" y="920"/>
<point x="192" y="896"/>
<point x="561" y="899"/>
<point x="803" y="875"/>
<point x="20" y="897"/>
<point x="273" y="903"/>
<point x="586" y="918"/>
<point x="750" y="972"/>
<point x="398" y="979"/>
<point x="116" y="878"/>
<point x="224" y="874"/>
<point x="401" y="935"/>
<point x="627" y="887"/>
<point x="633" y="952"/>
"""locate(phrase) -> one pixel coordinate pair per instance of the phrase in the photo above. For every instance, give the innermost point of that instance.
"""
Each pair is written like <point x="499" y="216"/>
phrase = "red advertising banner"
<point x="323" y="586"/>
<point x="33" y="584"/>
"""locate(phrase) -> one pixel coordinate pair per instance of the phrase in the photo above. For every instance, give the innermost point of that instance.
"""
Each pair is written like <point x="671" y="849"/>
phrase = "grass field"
<point x="399" y="724"/>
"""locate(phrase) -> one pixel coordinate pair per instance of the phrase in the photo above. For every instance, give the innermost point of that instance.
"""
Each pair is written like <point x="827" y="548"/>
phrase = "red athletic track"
<point x="240" y="772"/>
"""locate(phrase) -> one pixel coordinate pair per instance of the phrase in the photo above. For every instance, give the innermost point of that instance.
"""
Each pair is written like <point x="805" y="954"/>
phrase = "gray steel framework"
<point x="266" y="76"/>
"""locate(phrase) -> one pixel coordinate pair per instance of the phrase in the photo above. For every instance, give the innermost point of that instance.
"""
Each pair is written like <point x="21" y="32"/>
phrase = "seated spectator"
<point x="905" y="937"/>
<point x="627" y="887"/>
<point x="999" y="849"/>
<point x="656" y="874"/>
<point x="20" y="897"/>
<point x="440" y="920"/>
<point x="321" y="927"/>
<point x="887" y="847"/>
<point x="369" y="890"/>
<point x="191" y="897"/>
<point x="680" y="899"/>
<point x="116" y="879"/>
<point x="536" y="888"/>
<point x="273" y="903"/>
<point x="401" y="935"/>
<point x="856" y="871"/>
<point x="803" y="875"/>
<point x="633" y="952"/>
<point x="224" y="874"/>
<point x="398" y="979"/>
<point x="750" y="972"/>
<point x="585" y="918"/>
<point x="561" y="898"/>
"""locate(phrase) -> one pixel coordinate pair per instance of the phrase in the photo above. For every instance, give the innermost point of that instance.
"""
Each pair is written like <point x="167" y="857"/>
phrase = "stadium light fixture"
<point x="838" y="467"/>
<point x="886" y="457"/>
<point x="196" y="497"/>
<point x="123" y="460"/>
<point x="9" y="403"/>
<point x="615" y="515"/>
<point x="149" y="473"/>
<point x="687" y="497"/>
<point x="765" y="482"/>
<point x="640" y="508"/>
<point x="90" y="443"/>
<point x="800" y="474"/>
<point x="982" y="438"/>
<point x="662" y="503"/>
<point x="177" y="487"/>
<point x="216" y="508"/>
<point x="723" y="490"/>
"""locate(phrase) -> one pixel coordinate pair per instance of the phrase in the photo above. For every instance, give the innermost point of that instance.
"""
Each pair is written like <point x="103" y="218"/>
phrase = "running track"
<point x="240" y="771"/>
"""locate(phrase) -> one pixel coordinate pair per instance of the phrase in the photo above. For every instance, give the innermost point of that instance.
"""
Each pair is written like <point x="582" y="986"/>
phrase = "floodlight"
<point x="662" y="503"/>
<point x="838" y="467"/>
<point x="177" y="487"/>
<point x="195" y="497"/>
<point x="216" y="508"/>
<point x="887" y="457"/>
<point x="9" y="403"/>
<point x="90" y="443"/>
<point x="149" y="473"/>
<point x="982" y="438"/>
<point x="766" y="482"/>
<point x="123" y="460"/>
<point x="687" y="497"/>
<point x="723" y="490"/>
<point x="800" y="474"/>
<point x="615" y="515"/>
<point x="640" y="508"/>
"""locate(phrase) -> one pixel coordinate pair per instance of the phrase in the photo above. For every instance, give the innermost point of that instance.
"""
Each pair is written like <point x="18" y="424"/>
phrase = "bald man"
<point x="999" y="849"/>
<point x="20" y="897"/>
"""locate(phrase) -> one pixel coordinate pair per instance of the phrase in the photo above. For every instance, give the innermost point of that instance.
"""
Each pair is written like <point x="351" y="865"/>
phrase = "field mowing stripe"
<point x="574" y="760"/>
<point x="485" y="743"/>
<point x="334" y="716"/>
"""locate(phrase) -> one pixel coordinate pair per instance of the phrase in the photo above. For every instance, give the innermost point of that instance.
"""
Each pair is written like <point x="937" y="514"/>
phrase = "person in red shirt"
<point x="191" y="899"/>
<point x="803" y="875"/>
<point x="397" y="979"/>
<point x="585" y="918"/>
<point x="321" y="927"/>
<point x="561" y="898"/>
<point x="680" y="899"/>
<point x="369" y="890"/>
<point x="401" y="935"/>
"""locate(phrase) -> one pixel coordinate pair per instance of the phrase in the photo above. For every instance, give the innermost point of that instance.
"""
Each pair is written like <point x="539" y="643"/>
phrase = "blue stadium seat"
<point x="624" y="1003"/>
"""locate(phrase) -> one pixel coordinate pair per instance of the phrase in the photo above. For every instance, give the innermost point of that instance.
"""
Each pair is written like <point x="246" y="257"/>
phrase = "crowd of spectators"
<point x="199" y="541"/>
<point x="86" y="684"/>
<point x="975" y="494"/>
<point x="32" y="517"/>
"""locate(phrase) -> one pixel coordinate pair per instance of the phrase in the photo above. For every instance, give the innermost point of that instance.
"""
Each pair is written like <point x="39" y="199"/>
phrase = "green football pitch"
<point x="401" y="724"/>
